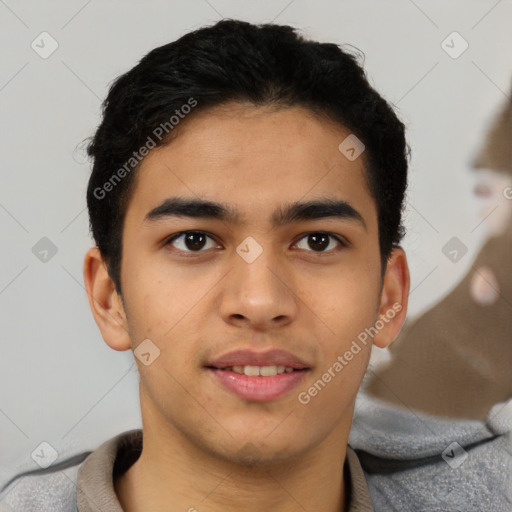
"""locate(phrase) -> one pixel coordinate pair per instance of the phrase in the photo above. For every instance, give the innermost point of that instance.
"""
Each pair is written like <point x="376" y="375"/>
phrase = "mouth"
<point x="259" y="377"/>
<point x="259" y="371"/>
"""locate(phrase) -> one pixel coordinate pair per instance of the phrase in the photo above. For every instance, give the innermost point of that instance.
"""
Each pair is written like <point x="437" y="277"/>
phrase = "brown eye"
<point x="319" y="241"/>
<point x="190" y="241"/>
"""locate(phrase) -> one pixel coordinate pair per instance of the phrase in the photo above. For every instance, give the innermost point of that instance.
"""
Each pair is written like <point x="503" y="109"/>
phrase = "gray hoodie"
<point x="417" y="462"/>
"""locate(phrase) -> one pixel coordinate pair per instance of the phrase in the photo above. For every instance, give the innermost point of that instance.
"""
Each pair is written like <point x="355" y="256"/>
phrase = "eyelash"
<point x="174" y="237"/>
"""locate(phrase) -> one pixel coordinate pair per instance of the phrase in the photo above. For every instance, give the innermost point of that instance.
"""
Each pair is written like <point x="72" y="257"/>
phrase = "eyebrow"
<point x="294" y="212"/>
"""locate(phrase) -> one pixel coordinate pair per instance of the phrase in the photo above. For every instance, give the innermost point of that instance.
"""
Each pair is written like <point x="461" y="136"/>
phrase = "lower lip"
<point x="259" y="389"/>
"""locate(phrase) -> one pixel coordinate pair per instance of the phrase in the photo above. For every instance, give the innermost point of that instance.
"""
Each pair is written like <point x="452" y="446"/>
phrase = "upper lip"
<point x="274" y="357"/>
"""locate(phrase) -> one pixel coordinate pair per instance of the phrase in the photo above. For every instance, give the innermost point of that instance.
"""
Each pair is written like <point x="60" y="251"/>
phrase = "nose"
<point x="259" y="295"/>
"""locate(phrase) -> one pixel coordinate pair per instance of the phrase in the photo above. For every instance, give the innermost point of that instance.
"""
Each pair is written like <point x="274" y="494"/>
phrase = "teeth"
<point x="252" y="370"/>
<point x="264" y="371"/>
<point x="268" y="371"/>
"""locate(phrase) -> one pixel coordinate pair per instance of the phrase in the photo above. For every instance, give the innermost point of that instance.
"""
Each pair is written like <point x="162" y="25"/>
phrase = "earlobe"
<point x="394" y="298"/>
<point x="106" y="305"/>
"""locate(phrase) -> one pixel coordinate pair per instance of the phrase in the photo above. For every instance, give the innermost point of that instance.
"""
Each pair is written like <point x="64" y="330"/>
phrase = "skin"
<point x="205" y="447"/>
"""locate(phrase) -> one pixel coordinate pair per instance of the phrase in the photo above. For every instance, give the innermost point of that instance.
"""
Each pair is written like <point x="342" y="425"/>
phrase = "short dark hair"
<point x="234" y="60"/>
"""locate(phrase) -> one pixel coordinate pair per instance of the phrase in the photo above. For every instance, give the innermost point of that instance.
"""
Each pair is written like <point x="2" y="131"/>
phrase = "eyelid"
<point x="341" y="240"/>
<point x="172" y="238"/>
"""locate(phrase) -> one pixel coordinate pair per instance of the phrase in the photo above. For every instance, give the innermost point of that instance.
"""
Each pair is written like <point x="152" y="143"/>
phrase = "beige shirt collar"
<point x="95" y="483"/>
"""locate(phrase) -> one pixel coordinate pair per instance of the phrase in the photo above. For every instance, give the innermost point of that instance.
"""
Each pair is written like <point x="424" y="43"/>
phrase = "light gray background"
<point x="59" y="381"/>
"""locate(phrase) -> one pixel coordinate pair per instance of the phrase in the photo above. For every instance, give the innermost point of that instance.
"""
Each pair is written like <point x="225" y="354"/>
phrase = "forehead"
<point x="256" y="157"/>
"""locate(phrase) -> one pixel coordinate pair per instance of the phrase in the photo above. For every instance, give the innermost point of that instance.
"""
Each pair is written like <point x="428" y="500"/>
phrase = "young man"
<point x="246" y="203"/>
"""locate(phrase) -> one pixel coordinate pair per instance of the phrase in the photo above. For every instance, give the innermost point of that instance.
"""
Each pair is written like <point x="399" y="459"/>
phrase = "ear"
<point x="105" y="303"/>
<point x="394" y="298"/>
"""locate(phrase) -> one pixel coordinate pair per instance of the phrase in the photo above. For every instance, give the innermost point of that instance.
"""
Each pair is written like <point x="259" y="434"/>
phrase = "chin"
<point x="253" y="449"/>
<point x="252" y="456"/>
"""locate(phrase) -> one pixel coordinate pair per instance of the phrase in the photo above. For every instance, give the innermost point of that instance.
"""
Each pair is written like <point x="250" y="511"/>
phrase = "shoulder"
<point x="53" y="488"/>
<point x="411" y="458"/>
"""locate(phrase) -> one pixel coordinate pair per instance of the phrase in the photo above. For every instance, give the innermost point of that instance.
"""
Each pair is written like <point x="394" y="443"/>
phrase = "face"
<point x="494" y="191"/>
<point x="214" y="303"/>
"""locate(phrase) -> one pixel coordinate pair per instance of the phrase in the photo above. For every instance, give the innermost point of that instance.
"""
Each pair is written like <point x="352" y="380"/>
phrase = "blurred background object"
<point x="455" y="360"/>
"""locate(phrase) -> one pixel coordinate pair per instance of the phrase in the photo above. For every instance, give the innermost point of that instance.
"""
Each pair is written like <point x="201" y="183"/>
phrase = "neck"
<point x="173" y="470"/>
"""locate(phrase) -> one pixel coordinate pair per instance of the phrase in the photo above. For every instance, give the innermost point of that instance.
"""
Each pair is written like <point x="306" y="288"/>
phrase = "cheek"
<point x="331" y="391"/>
<point x="347" y="308"/>
<point x="161" y="315"/>
<point x="156" y="301"/>
<point x="348" y="302"/>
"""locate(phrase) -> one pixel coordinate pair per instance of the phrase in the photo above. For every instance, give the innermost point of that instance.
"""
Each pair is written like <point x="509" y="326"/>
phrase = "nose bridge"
<point x="256" y="268"/>
<point x="257" y="289"/>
